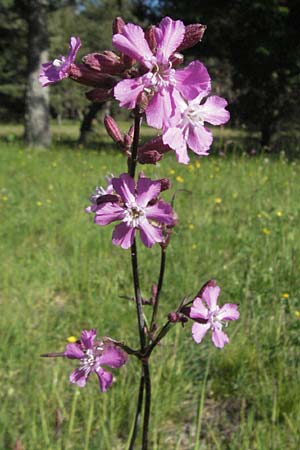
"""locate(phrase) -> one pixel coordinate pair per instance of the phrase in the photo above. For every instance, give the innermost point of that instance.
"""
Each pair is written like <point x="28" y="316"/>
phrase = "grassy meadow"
<point x="238" y="223"/>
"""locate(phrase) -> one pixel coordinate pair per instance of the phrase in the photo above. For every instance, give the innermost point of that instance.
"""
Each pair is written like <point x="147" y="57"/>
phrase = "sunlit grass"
<point x="238" y="223"/>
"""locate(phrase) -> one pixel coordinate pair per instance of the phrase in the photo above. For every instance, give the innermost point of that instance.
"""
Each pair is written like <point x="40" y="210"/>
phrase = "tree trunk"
<point x="37" y="131"/>
<point x="87" y="122"/>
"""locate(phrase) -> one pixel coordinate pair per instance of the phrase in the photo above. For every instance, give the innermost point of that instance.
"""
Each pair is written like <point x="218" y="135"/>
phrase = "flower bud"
<point x="89" y="77"/>
<point x="173" y="317"/>
<point x="149" y="157"/>
<point x="193" y="35"/>
<point x="113" y="130"/>
<point x="99" y="95"/>
<point x="157" y="144"/>
<point x="150" y="37"/>
<point x="106" y="62"/>
<point x="142" y="101"/>
<point x="165" y="184"/>
<point x="117" y="25"/>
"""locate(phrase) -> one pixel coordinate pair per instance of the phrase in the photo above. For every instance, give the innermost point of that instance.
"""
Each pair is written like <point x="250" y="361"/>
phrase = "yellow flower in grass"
<point x="297" y="314"/>
<point x="266" y="231"/>
<point x="218" y="200"/>
<point x="71" y="339"/>
<point x="194" y="246"/>
<point x="39" y="203"/>
<point x="171" y="171"/>
<point x="191" y="226"/>
<point x="285" y="295"/>
<point x="179" y="179"/>
<point x="4" y="198"/>
<point x="279" y="213"/>
<point x="197" y="164"/>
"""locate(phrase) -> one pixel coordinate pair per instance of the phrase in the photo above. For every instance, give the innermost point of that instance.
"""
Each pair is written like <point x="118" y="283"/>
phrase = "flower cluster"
<point x="146" y="74"/>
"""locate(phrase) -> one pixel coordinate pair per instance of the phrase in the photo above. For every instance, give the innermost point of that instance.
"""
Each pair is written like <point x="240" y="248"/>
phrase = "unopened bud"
<point x="157" y="144"/>
<point x="173" y="316"/>
<point x="176" y="59"/>
<point x="127" y="141"/>
<point x="150" y="37"/>
<point x="89" y="77"/>
<point x="165" y="184"/>
<point x="193" y="35"/>
<point x="149" y="157"/>
<point x="154" y="291"/>
<point x="113" y="129"/>
<point x="106" y="62"/>
<point x="118" y="25"/>
<point x="99" y="95"/>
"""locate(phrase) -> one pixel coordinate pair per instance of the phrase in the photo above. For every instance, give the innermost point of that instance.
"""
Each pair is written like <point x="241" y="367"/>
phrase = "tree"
<point x="37" y="132"/>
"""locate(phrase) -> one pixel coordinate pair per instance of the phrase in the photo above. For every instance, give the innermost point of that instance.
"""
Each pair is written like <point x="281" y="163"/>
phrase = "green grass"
<point x="60" y="273"/>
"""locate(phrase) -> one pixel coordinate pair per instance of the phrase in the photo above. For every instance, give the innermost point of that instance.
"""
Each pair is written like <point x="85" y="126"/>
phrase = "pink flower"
<point x="208" y="315"/>
<point x="138" y="208"/>
<point x="159" y="80"/>
<point x="190" y="129"/>
<point x="93" y="354"/>
<point x="102" y="195"/>
<point x="54" y="71"/>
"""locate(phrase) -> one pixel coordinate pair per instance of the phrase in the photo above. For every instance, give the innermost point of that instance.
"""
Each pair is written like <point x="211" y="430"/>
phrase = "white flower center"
<point x="134" y="215"/>
<point x="58" y="62"/>
<point x="194" y="114"/>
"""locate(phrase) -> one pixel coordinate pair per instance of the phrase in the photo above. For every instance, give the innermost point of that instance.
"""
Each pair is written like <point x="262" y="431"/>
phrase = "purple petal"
<point x="124" y="186"/>
<point x="123" y="235"/>
<point x="210" y="296"/>
<point x="219" y="338"/>
<point x="73" y="351"/>
<point x="229" y="311"/>
<point x="79" y="377"/>
<point x="132" y="43"/>
<point x="192" y="80"/>
<point x="162" y="212"/>
<point x="175" y="139"/>
<point x="147" y="190"/>
<point x="199" y="330"/>
<point x="161" y="111"/>
<point x="199" y="139"/>
<point x="214" y="111"/>
<point x="88" y="337"/>
<point x="74" y="46"/>
<point x="169" y="35"/>
<point x="105" y="379"/>
<point x="107" y="213"/>
<point x="113" y="357"/>
<point x="149" y="234"/>
<point x="198" y="310"/>
<point x="127" y="92"/>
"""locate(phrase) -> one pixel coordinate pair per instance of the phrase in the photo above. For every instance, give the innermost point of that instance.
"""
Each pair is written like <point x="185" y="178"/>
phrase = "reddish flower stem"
<point x="159" y="287"/>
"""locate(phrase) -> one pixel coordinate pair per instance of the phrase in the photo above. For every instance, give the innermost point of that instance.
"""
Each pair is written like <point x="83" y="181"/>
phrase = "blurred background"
<point x="239" y="216"/>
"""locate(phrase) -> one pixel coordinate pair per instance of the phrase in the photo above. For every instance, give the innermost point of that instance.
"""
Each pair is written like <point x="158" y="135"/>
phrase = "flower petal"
<point x="199" y="139"/>
<point x="74" y="46"/>
<point x="199" y="330"/>
<point x="193" y="79"/>
<point x="210" y="296"/>
<point x="175" y="139"/>
<point x="229" y="311"/>
<point x="113" y="357"/>
<point x="214" y="111"/>
<point x="127" y="92"/>
<point x="79" y="377"/>
<point x="123" y="235"/>
<point x="161" y="111"/>
<point x="147" y="190"/>
<point x="73" y="351"/>
<point x="105" y="379"/>
<point x="107" y="213"/>
<point x="162" y="212"/>
<point x="88" y="337"/>
<point x="198" y="310"/>
<point x="150" y="234"/>
<point x="169" y="35"/>
<point x="124" y="186"/>
<point x="219" y="338"/>
<point x="132" y="43"/>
